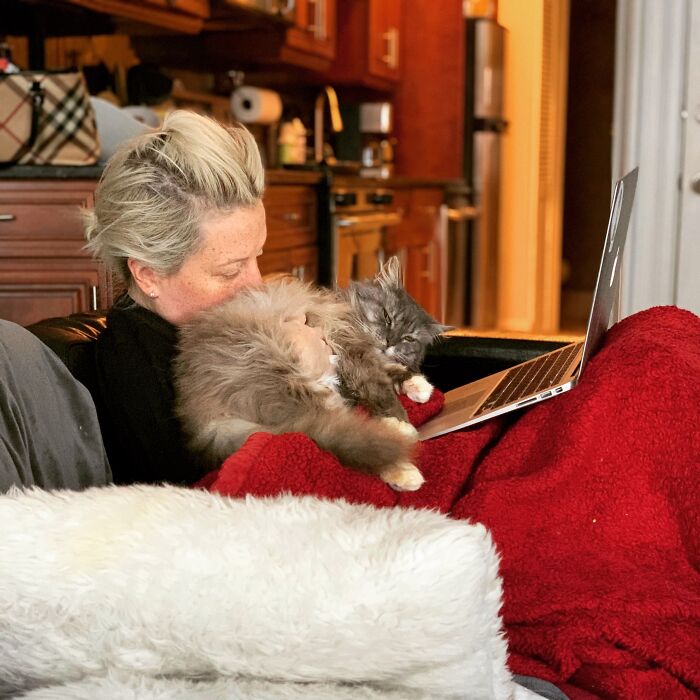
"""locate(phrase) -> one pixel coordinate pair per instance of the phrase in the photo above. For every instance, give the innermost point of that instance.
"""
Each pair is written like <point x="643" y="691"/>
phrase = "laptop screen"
<point x="608" y="282"/>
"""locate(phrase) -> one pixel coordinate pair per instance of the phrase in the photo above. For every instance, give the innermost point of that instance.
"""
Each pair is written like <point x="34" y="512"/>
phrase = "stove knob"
<point x="345" y="199"/>
<point x="380" y="198"/>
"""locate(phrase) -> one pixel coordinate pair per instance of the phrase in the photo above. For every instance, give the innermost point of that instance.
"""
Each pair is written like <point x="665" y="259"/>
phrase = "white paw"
<point x="403" y="477"/>
<point x="402" y="426"/>
<point x="417" y="388"/>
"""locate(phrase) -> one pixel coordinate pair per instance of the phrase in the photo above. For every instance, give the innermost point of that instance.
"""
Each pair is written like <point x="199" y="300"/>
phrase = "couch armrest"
<point x="72" y="338"/>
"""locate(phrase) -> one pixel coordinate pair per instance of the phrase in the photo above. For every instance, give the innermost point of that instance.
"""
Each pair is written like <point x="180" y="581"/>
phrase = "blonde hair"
<point x="157" y="188"/>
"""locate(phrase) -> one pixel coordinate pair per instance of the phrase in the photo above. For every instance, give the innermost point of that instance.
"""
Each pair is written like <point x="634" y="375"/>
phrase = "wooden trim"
<point x="555" y="65"/>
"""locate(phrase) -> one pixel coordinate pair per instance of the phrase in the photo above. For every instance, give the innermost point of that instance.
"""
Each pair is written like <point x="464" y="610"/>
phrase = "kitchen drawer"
<point x="302" y="262"/>
<point x="37" y="219"/>
<point x="291" y="217"/>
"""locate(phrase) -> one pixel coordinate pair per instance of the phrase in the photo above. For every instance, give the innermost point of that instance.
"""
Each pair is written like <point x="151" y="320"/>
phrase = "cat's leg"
<point x="417" y="388"/>
<point x="412" y="384"/>
<point x="368" y="385"/>
<point x="366" y="444"/>
<point x="402" y="426"/>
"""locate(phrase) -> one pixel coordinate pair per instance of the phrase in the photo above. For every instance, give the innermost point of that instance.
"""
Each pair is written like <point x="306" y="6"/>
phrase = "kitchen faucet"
<point x="336" y="120"/>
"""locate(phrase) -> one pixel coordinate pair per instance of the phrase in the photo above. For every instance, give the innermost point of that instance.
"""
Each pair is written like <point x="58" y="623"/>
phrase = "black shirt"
<point x="135" y="398"/>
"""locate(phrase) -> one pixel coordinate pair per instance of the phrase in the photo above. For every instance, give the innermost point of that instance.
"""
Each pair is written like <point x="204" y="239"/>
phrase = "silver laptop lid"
<point x="608" y="282"/>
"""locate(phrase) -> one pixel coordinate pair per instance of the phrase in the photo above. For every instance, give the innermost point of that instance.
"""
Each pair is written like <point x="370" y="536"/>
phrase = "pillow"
<point x="150" y="581"/>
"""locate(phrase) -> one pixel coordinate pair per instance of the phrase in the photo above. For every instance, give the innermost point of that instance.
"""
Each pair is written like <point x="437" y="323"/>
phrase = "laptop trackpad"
<point x="456" y="411"/>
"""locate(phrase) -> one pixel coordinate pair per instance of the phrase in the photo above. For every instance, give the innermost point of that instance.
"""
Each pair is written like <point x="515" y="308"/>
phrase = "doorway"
<point x="588" y="162"/>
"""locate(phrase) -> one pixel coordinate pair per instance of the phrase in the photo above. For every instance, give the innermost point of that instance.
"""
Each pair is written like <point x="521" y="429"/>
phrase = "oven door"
<point x="358" y="250"/>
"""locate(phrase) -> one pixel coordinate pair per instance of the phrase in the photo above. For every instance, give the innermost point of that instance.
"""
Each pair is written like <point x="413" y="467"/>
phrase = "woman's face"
<point x="225" y="263"/>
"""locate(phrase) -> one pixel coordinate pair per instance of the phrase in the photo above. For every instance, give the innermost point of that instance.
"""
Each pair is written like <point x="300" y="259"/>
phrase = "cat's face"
<point x="394" y="318"/>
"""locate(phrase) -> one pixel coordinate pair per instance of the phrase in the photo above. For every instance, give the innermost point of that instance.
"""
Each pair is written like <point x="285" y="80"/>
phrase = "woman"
<point x="179" y="218"/>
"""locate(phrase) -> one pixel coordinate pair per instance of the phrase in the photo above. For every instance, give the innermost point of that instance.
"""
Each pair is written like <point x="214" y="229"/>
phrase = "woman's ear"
<point x="146" y="278"/>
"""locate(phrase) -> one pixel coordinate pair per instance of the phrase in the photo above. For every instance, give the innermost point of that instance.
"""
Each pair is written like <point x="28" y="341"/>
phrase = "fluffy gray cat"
<point x="288" y="357"/>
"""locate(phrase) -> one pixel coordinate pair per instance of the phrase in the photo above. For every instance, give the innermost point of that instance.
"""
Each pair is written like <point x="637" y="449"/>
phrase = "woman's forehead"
<point x="234" y="235"/>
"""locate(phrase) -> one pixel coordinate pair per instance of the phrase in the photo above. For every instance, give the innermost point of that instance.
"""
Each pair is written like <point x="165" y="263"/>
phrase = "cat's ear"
<point x="438" y="328"/>
<point x="390" y="274"/>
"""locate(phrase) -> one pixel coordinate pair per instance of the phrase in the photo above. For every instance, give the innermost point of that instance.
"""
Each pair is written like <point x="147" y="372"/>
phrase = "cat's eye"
<point x="387" y="318"/>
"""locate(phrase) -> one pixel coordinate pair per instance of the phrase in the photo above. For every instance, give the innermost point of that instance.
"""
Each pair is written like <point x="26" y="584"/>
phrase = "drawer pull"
<point x="7" y="217"/>
<point x="291" y="216"/>
<point x="93" y="298"/>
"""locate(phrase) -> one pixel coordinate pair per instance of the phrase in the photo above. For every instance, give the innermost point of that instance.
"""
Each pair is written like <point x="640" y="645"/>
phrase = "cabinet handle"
<point x="93" y="298"/>
<point x="7" y="217"/>
<point x="427" y="273"/>
<point x="291" y="216"/>
<point x="318" y="26"/>
<point x="301" y="270"/>
<point x="392" y="44"/>
<point x="462" y="213"/>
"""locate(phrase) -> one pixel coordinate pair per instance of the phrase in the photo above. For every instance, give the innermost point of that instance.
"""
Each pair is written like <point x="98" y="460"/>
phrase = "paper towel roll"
<point x="252" y="105"/>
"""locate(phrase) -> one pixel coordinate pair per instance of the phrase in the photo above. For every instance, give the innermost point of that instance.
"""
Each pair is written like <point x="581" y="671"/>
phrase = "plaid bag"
<point x="46" y="118"/>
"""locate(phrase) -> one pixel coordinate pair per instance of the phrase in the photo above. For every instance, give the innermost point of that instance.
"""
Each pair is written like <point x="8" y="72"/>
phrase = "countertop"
<point x="93" y="172"/>
<point x="273" y="176"/>
<point x="51" y="172"/>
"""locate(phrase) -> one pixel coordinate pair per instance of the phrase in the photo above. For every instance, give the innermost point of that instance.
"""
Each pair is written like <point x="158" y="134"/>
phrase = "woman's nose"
<point x="253" y="278"/>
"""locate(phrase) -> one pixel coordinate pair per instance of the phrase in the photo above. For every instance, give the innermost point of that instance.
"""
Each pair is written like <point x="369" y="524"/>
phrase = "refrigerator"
<point x="484" y="126"/>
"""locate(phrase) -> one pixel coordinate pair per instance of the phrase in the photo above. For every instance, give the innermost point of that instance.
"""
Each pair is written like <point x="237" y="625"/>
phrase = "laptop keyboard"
<point x="530" y="378"/>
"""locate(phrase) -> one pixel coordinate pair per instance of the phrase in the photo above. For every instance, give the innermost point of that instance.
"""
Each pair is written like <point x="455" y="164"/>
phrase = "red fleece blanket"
<point x="592" y="499"/>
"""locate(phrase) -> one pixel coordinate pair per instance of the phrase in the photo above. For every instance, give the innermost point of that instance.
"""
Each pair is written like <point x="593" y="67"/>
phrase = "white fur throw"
<point x="149" y="582"/>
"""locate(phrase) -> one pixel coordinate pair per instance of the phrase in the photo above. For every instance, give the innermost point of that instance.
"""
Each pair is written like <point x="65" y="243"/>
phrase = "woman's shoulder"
<point x="136" y="336"/>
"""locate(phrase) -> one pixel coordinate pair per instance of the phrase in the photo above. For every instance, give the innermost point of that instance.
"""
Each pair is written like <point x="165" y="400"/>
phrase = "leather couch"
<point x="452" y="361"/>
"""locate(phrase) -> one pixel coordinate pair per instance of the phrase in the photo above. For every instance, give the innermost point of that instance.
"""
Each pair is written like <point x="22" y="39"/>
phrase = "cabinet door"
<point x="314" y="28"/>
<point x="416" y="242"/>
<point x="35" y="289"/>
<point x="384" y="38"/>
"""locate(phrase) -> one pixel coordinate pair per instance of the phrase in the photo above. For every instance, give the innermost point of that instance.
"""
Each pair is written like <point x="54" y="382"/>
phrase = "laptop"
<point x="555" y="372"/>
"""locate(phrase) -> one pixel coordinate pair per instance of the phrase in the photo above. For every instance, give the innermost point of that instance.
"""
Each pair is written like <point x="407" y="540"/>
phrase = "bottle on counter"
<point x="6" y="65"/>
<point x="291" y="143"/>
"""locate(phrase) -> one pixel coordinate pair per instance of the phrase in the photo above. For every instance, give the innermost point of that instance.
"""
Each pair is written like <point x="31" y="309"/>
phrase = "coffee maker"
<point x="376" y="124"/>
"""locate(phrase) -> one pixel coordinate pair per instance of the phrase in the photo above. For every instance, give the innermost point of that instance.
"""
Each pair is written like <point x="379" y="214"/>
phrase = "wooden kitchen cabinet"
<point x="186" y="16"/>
<point x="314" y="28"/>
<point x="368" y="43"/>
<point x="417" y="242"/>
<point x="308" y="43"/>
<point x="44" y="270"/>
<point x="292" y="231"/>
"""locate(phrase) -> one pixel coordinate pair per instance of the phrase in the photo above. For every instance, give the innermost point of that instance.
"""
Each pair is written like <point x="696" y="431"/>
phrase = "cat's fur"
<point x="400" y="325"/>
<point x="238" y="373"/>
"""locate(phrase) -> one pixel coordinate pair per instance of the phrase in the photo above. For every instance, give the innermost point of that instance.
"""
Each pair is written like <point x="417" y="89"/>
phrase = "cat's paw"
<point x="417" y="388"/>
<point x="402" y="426"/>
<point x="403" y="477"/>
